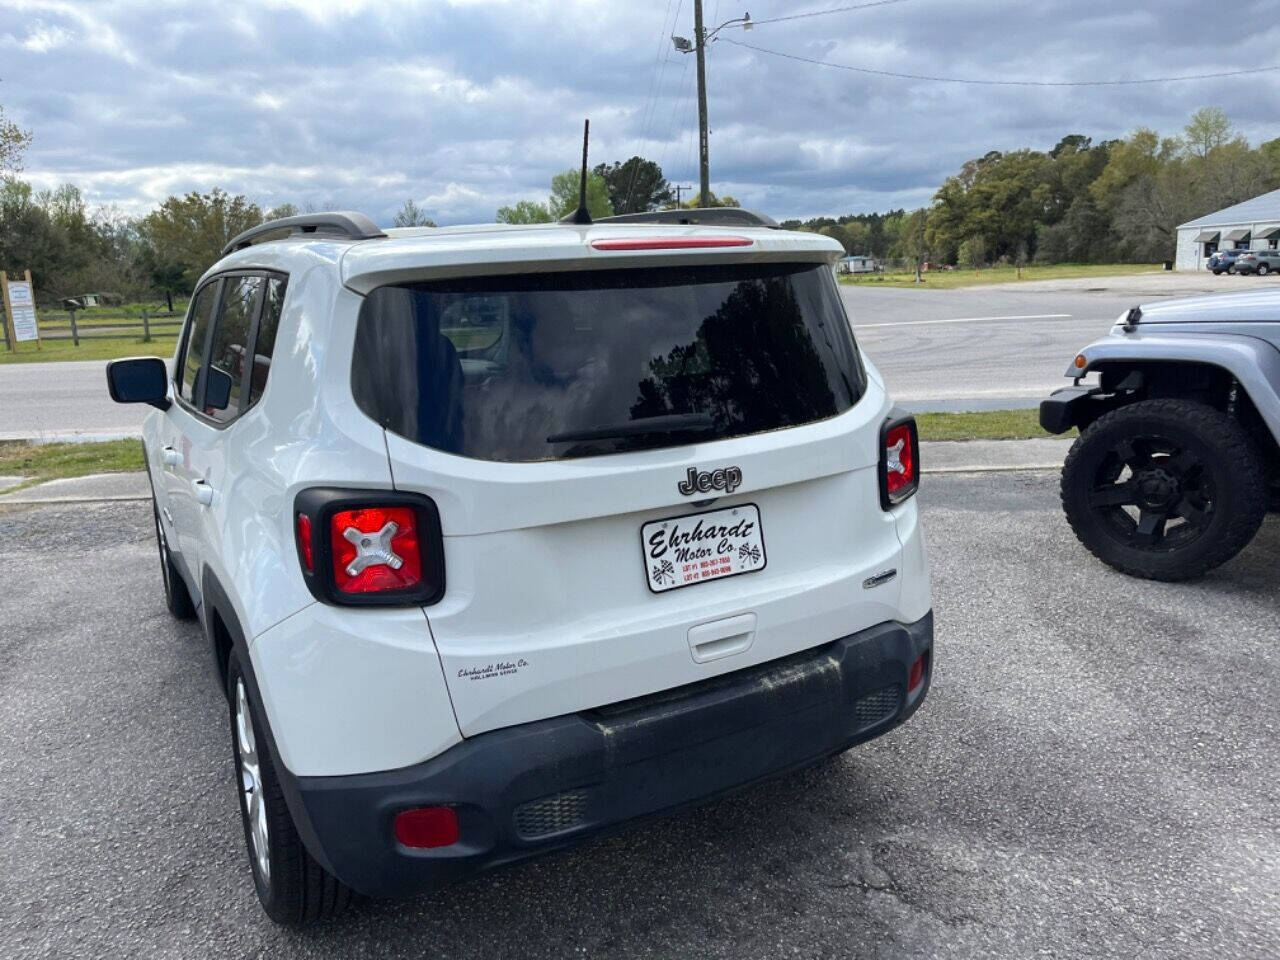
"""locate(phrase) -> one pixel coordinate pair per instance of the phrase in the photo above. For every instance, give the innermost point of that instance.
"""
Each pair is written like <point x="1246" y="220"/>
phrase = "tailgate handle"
<point x="722" y="638"/>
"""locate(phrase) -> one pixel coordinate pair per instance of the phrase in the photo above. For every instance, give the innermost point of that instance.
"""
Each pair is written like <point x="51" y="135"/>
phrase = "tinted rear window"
<point x="556" y="365"/>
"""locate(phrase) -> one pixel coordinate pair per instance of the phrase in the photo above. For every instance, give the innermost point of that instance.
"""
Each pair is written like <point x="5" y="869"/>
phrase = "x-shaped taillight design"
<point x="373" y="549"/>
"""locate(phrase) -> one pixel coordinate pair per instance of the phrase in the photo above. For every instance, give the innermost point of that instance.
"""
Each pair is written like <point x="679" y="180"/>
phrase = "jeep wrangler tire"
<point x="294" y="889"/>
<point x="1164" y="489"/>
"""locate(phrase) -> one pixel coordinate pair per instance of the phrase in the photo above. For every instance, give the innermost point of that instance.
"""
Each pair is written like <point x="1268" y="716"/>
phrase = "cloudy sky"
<point x="470" y="104"/>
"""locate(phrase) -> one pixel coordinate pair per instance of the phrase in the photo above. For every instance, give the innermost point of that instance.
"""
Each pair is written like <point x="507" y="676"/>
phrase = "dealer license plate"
<point x="682" y="551"/>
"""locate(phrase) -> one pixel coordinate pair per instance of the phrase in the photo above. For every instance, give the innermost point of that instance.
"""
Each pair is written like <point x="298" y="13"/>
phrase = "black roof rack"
<point x="705" y="216"/>
<point x="343" y="223"/>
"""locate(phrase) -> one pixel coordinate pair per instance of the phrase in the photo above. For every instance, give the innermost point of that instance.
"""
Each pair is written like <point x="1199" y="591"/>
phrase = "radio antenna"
<point x="581" y="216"/>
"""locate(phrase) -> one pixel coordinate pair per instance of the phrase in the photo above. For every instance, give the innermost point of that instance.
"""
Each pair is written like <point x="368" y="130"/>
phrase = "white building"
<point x="857" y="264"/>
<point x="1254" y="224"/>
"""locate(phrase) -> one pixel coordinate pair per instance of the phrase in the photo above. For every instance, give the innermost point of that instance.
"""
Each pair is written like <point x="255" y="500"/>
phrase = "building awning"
<point x="1207" y="236"/>
<point x="1266" y="233"/>
<point x="1237" y="234"/>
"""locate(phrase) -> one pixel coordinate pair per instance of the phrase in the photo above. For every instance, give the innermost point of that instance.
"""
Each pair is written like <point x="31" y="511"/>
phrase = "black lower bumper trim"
<point x="530" y="789"/>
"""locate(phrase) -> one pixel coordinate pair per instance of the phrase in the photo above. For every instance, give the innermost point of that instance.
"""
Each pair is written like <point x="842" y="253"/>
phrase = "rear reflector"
<point x="425" y="828"/>
<point x="916" y="677"/>
<point x="670" y="243"/>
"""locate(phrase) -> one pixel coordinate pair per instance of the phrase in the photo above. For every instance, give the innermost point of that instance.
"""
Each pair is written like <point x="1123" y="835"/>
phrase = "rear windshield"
<point x="554" y="365"/>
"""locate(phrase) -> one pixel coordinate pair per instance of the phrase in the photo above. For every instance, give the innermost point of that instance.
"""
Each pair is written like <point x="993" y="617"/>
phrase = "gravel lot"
<point x="1095" y="774"/>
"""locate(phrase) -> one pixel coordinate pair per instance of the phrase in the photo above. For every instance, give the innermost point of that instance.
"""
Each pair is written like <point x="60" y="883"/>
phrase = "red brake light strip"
<point x="670" y="243"/>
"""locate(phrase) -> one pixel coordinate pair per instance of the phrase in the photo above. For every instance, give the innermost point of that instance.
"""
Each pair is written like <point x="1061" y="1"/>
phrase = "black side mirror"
<point x="217" y="388"/>
<point x="139" y="380"/>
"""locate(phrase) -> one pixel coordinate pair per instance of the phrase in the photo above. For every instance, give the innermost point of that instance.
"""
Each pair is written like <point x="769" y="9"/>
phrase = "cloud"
<point x="472" y="104"/>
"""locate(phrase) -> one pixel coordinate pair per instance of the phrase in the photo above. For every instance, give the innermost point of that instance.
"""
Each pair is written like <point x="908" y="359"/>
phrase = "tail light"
<point x="376" y="547"/>
<point x="899" y="461"/>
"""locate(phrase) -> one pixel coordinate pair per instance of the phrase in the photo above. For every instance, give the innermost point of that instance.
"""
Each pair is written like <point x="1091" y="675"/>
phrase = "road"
<point x="1092" y="775"/>
<point x="967" y="349"/>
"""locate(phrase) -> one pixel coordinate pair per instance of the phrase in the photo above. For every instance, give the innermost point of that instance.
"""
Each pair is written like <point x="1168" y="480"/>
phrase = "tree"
<point x="411" y="215"/>
<point x="564" y="195"/>
<point x="912" y="239"/>
<point x="282" y="211"/>
<point x="1208" y="128"/>
<point x="525" y="211"/>
<point x="13" y="144"/>
<point x="635" y="186"/>
<point x="191" y="231"/>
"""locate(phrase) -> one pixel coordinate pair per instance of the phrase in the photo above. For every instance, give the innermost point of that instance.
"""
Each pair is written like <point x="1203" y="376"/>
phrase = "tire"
<point x="293" y="889"/>
<point x="1263" y="269"/>
<point x="176" y="596"/>
<point x="1190" y="473"/>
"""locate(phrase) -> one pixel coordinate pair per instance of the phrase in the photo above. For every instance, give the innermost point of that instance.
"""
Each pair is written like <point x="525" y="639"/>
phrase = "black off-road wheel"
<point x="1164" y="489"/>
<point x="176" y="596"/>
<point x="1263" y="269"/>
<point x="292" y="887"/>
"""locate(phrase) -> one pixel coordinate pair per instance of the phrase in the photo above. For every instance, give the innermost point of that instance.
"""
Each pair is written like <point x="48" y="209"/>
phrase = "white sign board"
<point x="24" y="311"/>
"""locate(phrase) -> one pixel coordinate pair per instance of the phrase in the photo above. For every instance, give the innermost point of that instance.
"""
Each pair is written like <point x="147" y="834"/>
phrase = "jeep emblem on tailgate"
<point x="727" y="479"/>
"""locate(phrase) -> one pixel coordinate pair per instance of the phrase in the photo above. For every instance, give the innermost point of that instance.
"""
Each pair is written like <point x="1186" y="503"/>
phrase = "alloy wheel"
<point x="252" y="797"/>
<point x="1153" y="494"/>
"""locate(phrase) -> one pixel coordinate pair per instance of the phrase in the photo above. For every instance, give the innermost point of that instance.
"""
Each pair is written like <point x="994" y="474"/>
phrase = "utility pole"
<point x="679" y="189"/>
<point x="704" y="159"/>
<point x="701" y="36"/>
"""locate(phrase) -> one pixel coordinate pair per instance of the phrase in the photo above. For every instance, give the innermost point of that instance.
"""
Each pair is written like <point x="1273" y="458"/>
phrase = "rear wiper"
<point x="645" y="426"/>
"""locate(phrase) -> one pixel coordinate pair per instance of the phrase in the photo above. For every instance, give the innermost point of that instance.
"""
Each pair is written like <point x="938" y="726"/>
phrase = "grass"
<point x="953" y="279"/>
<point x="54" y="461"/>
<point x="96" y="349"/>
<point x="983" y="425"/>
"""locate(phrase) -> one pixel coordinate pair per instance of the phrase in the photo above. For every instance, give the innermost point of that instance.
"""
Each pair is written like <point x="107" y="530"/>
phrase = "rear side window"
<point x="197" y="334"/>
<point x="549" y="366"/>
<point x="265" y="345"/>
<point x="229" y="352"/>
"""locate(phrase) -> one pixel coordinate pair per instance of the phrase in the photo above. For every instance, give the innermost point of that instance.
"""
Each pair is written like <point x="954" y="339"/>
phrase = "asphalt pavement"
<point x="1093" y="775"/>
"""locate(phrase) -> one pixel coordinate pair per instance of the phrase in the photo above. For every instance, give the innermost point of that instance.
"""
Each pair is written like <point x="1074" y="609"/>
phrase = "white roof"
<point x="1263" y="208"/>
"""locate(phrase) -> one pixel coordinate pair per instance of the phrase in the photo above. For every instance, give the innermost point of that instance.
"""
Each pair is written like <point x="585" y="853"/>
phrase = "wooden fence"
<point x="107" y="326"/>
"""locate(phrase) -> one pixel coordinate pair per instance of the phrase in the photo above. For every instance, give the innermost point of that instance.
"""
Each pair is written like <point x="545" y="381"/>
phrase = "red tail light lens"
<point x="375" y="550"/>
<point x="899" y="461"/>
<point x="305" y="549"/>
<point x="425" y="828"/>
<point x="369" y="547"/>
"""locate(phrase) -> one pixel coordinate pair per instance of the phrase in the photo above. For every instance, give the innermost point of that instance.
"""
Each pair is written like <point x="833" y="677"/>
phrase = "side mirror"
<point x="139" y="380"/>
<point x="217" y="389"/>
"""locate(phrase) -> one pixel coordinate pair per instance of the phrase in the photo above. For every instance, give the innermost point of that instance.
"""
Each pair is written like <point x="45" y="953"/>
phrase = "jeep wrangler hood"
<point x="1254" y="306"/>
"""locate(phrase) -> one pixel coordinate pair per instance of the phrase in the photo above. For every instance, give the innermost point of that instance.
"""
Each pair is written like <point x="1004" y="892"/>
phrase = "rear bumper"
<point x="538" y="787"/>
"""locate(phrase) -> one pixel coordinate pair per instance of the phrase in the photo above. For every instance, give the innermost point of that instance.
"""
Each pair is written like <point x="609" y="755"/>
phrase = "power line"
<point x="823" y="13"/>
<point x="1001" y="83"/>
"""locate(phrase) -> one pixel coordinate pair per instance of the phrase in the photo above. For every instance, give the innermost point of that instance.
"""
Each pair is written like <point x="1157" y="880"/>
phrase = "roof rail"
<point x="344" y="223"/>
<point x="708" y="216"/>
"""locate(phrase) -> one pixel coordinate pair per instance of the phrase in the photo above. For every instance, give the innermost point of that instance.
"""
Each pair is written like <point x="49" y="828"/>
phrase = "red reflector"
<point x="670" y="243"/>
<point x="916" y="677"/>
<point x="426" y="827"/>
<point x="900" y="471"/>
<point x="375" y="550"/>
<point x="304" y="543"/>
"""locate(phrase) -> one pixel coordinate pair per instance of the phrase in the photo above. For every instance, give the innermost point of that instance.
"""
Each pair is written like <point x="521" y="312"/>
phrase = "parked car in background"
<point x="474" y="520"/>
<point x="1179" y="449"/>
<point x="1260" y="262"/>
<point x="1224" y="261"/>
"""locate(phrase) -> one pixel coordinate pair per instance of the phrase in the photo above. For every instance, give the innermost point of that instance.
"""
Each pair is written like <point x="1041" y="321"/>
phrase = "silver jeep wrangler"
<point x="1178" y="457"/>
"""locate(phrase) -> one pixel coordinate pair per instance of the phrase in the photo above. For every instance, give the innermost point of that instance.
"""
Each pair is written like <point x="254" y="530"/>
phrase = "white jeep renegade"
<point x="504" y="536"/>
